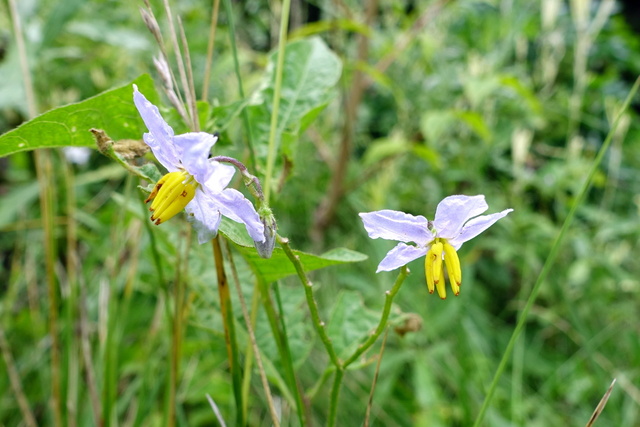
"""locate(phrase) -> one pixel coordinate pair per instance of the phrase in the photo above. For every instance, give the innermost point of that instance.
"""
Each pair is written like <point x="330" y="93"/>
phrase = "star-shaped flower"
<point x="194" y="182"/>
<point x="456" y="222"/>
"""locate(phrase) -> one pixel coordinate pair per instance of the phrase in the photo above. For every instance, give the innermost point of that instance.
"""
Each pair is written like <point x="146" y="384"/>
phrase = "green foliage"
<point x="469" y="97"/>
<point x="278" y="266"/>
<point x="69" y="126"/>
<point x="310" y="73"/>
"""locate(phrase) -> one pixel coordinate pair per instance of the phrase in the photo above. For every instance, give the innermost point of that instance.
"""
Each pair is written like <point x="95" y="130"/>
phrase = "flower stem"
<point x="282" y="41"/>
<point x="234" y="50"/>
<point x="389" y="296"/>
<point x="546" y="268"/>
<point x="229" y="330"/>
<point x="335" y="393"/>
<point x="311" y="302"/>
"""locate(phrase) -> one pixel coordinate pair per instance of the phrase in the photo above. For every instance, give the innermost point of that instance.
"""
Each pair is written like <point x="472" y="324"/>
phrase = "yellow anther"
<point x="170" y="195"/>
<point x="453" y="267"/>
<point x="433" y="268"/>
<point x="442" y="291"/>
<point x="440" y="251"/>
<point x="155" y="190"/>
<point x="428" y="269"/>
<point x="437" y="249"/>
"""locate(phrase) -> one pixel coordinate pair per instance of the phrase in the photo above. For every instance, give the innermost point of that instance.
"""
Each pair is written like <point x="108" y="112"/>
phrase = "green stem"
<point x="321" y="381"/>
<point x="45" y="178"/>
<point x="311" y="302"/>
<point x="553" y="253"/>
<point x="293" y="383"/>
<point x="284" y="351"/>
<point x="253" y="345"/>
<point x="234" y="50"/>
<point x="389" y="296"/>
<point x="229" y="330"/>
<point x="73" y="352"/>
<point x="282" y="41"/>
<point x="335" y="393"/>
<point x="178" y="313"/>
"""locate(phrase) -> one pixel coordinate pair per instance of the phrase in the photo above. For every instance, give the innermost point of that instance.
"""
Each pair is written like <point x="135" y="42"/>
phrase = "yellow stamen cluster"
<point x="170" y="195"/>
<point x="434" y="267"/>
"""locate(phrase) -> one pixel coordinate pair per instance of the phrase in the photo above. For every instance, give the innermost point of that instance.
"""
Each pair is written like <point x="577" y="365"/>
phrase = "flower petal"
<point x="194" y="148"/>
<point x="221" y="176"/>
<point x="160" y="136"/>
<point x="203" y="216"/>
<point x="395" y="225"/>
<point x="453" y="211"/>
<point x="477" y="226"/>
<point x="232" y="204"/>
<point x="400" y="255"/>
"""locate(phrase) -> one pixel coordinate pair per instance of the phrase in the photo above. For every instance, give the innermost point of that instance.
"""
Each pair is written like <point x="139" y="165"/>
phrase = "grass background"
<point x="510" y="99"/>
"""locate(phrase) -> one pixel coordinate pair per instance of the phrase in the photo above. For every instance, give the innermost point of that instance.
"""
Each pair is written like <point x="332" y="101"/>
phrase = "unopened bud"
<point x="265" y="248"/>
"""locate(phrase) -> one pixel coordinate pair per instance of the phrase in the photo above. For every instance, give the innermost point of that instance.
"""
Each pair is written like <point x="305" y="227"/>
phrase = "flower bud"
<point x="265" y="248"/>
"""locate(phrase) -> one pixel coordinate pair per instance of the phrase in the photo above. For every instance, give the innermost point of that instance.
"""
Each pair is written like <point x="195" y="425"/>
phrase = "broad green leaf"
<point x="112" y="111"/>
<point x="311" y="70"/>
<point x="279" y="266"/>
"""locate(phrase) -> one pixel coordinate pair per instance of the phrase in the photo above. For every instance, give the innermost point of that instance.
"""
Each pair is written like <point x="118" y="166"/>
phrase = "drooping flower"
<point x="456" y="222"/>
<point x="194" y="182"/>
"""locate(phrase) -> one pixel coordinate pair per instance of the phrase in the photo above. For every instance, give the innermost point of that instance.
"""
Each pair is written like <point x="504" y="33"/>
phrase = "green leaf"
<point x="476" y="123"/>
<point x="279" y="266"/>
<point x="112" y="111"/>
<point x="332" y="25"/>
<point x="311" y="70"/>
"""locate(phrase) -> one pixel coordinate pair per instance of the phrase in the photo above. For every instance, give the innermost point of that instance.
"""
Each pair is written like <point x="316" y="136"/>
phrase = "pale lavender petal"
<point x="454" y="211"/>
<point x="195" y="148"/>
<point x="160" y="136"/>
<point x="232" y="204"/>
<point x="477" y="226"/>
<point x="400" y="255"/>
<point x="220" y="177"/>
<point x="395" y="225"/>
<point x="203" y="216"/>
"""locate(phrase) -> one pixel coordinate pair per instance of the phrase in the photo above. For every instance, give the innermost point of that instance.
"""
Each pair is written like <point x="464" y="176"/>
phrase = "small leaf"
<point x="112" y="111"/>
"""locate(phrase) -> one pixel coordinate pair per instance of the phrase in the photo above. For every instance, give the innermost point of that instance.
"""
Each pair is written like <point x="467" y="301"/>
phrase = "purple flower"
<point x="194" y="182"/>
<point x="456" y="222"/>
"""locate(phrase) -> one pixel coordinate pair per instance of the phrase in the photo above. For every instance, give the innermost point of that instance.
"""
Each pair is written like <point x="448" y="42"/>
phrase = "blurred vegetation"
<point x="511" y="99"/>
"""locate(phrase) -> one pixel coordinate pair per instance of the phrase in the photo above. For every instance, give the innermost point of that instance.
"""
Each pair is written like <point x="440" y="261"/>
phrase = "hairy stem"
<point x="335" y="393"/>
<point x="318" y="324"/>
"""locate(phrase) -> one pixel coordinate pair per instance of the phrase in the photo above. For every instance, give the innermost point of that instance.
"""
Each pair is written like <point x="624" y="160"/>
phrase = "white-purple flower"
<point x="194" y="182"/>
<point x="456" y="222"/>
